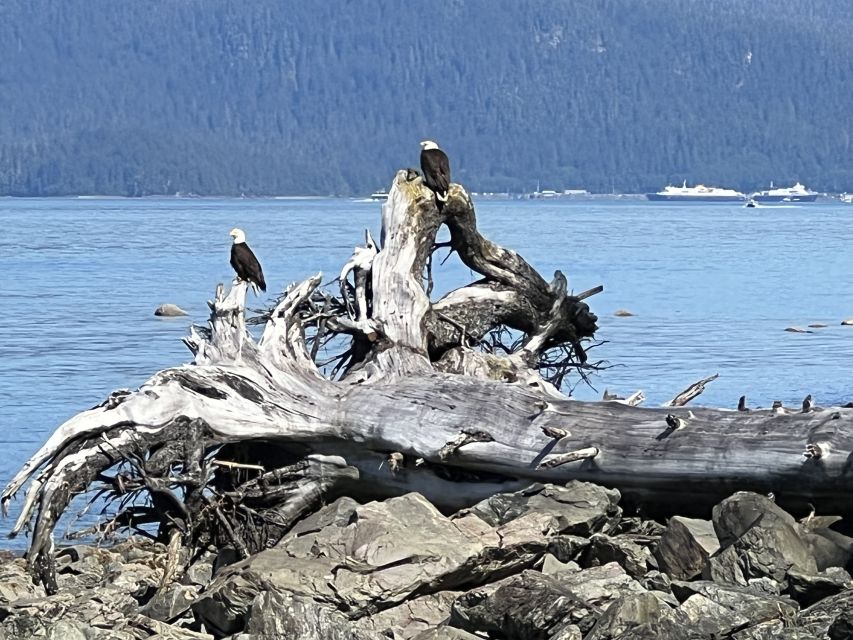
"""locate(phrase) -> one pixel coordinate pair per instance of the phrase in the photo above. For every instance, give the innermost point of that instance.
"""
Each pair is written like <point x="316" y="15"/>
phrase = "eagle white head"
<point x="238" y="235"/>
<point x="428" y="144"/>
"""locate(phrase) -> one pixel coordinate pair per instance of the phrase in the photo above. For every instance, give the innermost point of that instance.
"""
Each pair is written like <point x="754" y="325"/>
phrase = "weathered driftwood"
<point x="416" y="408"/>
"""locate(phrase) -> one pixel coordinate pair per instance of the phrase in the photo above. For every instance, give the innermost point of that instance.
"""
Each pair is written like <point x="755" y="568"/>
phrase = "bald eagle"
<point x="436" y="170"/>
<point x="245" y="263"/>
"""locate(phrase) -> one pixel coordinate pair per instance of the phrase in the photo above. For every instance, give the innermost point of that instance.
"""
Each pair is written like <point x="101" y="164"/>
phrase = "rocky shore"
<point x="547" y="563"/>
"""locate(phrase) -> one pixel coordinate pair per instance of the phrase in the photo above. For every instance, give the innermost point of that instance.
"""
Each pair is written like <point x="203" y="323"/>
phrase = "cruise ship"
<point x="797" y="193"/>
<point x="699" y="193"/>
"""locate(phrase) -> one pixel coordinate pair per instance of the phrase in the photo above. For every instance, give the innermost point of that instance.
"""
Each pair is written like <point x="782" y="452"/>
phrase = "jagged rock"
<point x="842" y="627"/>
<point x="685" y="547"/>
<point x="604" y="549"/>
<point x="338" y="513"/>
<point x="599" y="585"/>
<point x="711" y="618"/>
<point x="742" y="601"/>
<point x="169" y="310"/>
<point x="16" y="583"/>
<point x="450" y="633"/>
<point x="640" y="613"/>
<point x="820" y="617"/>
<point x="758" y="540"/>
<point x="278" y="615"/>
<point x="810" y="588"/>
<point x="744" y="510"/>
<point x="656" y="581"/>
<point x="527" y="606"/>
<point x="200" y="572"/>
<point x="566" y="548"/>
<point x="579" y="508"/>
<point x="775" y="630"/>
<point x="829" y="548"/>
<point x="412" y="617"/>
<point x="170" y="602"/>
<point x="382" y="553"/>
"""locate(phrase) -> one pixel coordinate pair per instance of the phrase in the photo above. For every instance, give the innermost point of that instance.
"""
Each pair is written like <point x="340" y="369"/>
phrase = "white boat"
<point x="797" y="193"/>
<point x="699" y="193"/>
<point x="379" y="196"/>
<point x="846" y="198"/>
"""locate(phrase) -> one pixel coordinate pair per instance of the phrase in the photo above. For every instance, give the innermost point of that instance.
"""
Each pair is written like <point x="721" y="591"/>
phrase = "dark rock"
<point x="820" y="617"/>
<point x="200" y="572"/>
<point x="685" y="547"/>
<point x="170" y="602"/>
<point x="579" y="508"/>
<point x="758" y="540"/>
<point x="842" y="627"/>
<point x="527" y="606"/>
<point x="656" y="581"/>
<point x="809" y="588"/>
<point x="447" y="633"/>
<point x="604" y="549"/>
<point x="774" y="630"/>
<point x="277" y="615"/>
<point x="339" y="513"/>
<point x="566" y="547"/>
<point x="625" y="618"/>
<point x="744" y="510"/>
<point x="829" y="548"/>
<point x="740" y="600"/>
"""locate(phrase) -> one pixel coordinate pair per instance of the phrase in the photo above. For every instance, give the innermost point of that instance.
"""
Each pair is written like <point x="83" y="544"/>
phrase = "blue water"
<point x="712" y="286"/>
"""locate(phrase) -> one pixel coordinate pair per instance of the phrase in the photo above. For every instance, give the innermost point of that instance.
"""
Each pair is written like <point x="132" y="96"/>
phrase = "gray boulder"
<point x="829" y="548"/>
<point x="774" y="630"/>
<point x="685" y="547"/>
<point x="527" y="606"/>
<point x="447" y="633"/>
<point x="628" y="615"/>
<point x="170" y="602"/>
<point x="381" y="554"/>
<point x="281" y="615"/>
<point x="711" y="618"/>
<point x="808" y="589"/>
<point x="759" y="540"/>
<point x="412" y="617"/>
<point x="744" y="510"/>
<point x="742" y="601"/>
<point x="821" y="616"/>
<point x="579" y="508"/>
<point x="604" y="549"/>
<point x="169" y="310"/>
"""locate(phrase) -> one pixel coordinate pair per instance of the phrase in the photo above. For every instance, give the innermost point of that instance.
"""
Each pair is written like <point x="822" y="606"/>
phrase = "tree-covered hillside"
<point x="282" y="97"/>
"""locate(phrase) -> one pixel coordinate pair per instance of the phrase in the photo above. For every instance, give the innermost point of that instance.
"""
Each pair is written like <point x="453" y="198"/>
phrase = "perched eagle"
<point x="245" y="263"/>
<point x="436" y="169"/>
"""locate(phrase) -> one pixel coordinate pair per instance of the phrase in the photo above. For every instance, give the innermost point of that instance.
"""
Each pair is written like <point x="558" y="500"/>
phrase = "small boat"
<point x="797" y="193"/>
<point x="699" y="193"/>
<point x="751" y="203"/>
<point x="379" y="196"/>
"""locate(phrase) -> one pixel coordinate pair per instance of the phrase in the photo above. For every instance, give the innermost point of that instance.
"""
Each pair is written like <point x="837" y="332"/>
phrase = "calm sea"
<point x="713" y="287"/>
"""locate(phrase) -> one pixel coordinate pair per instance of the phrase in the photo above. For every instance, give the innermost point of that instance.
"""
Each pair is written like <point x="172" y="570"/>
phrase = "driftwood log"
<point x="237" y="445"/>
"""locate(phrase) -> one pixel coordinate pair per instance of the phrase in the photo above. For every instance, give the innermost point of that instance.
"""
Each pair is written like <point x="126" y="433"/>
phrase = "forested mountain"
<point x="283" y="97"/>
